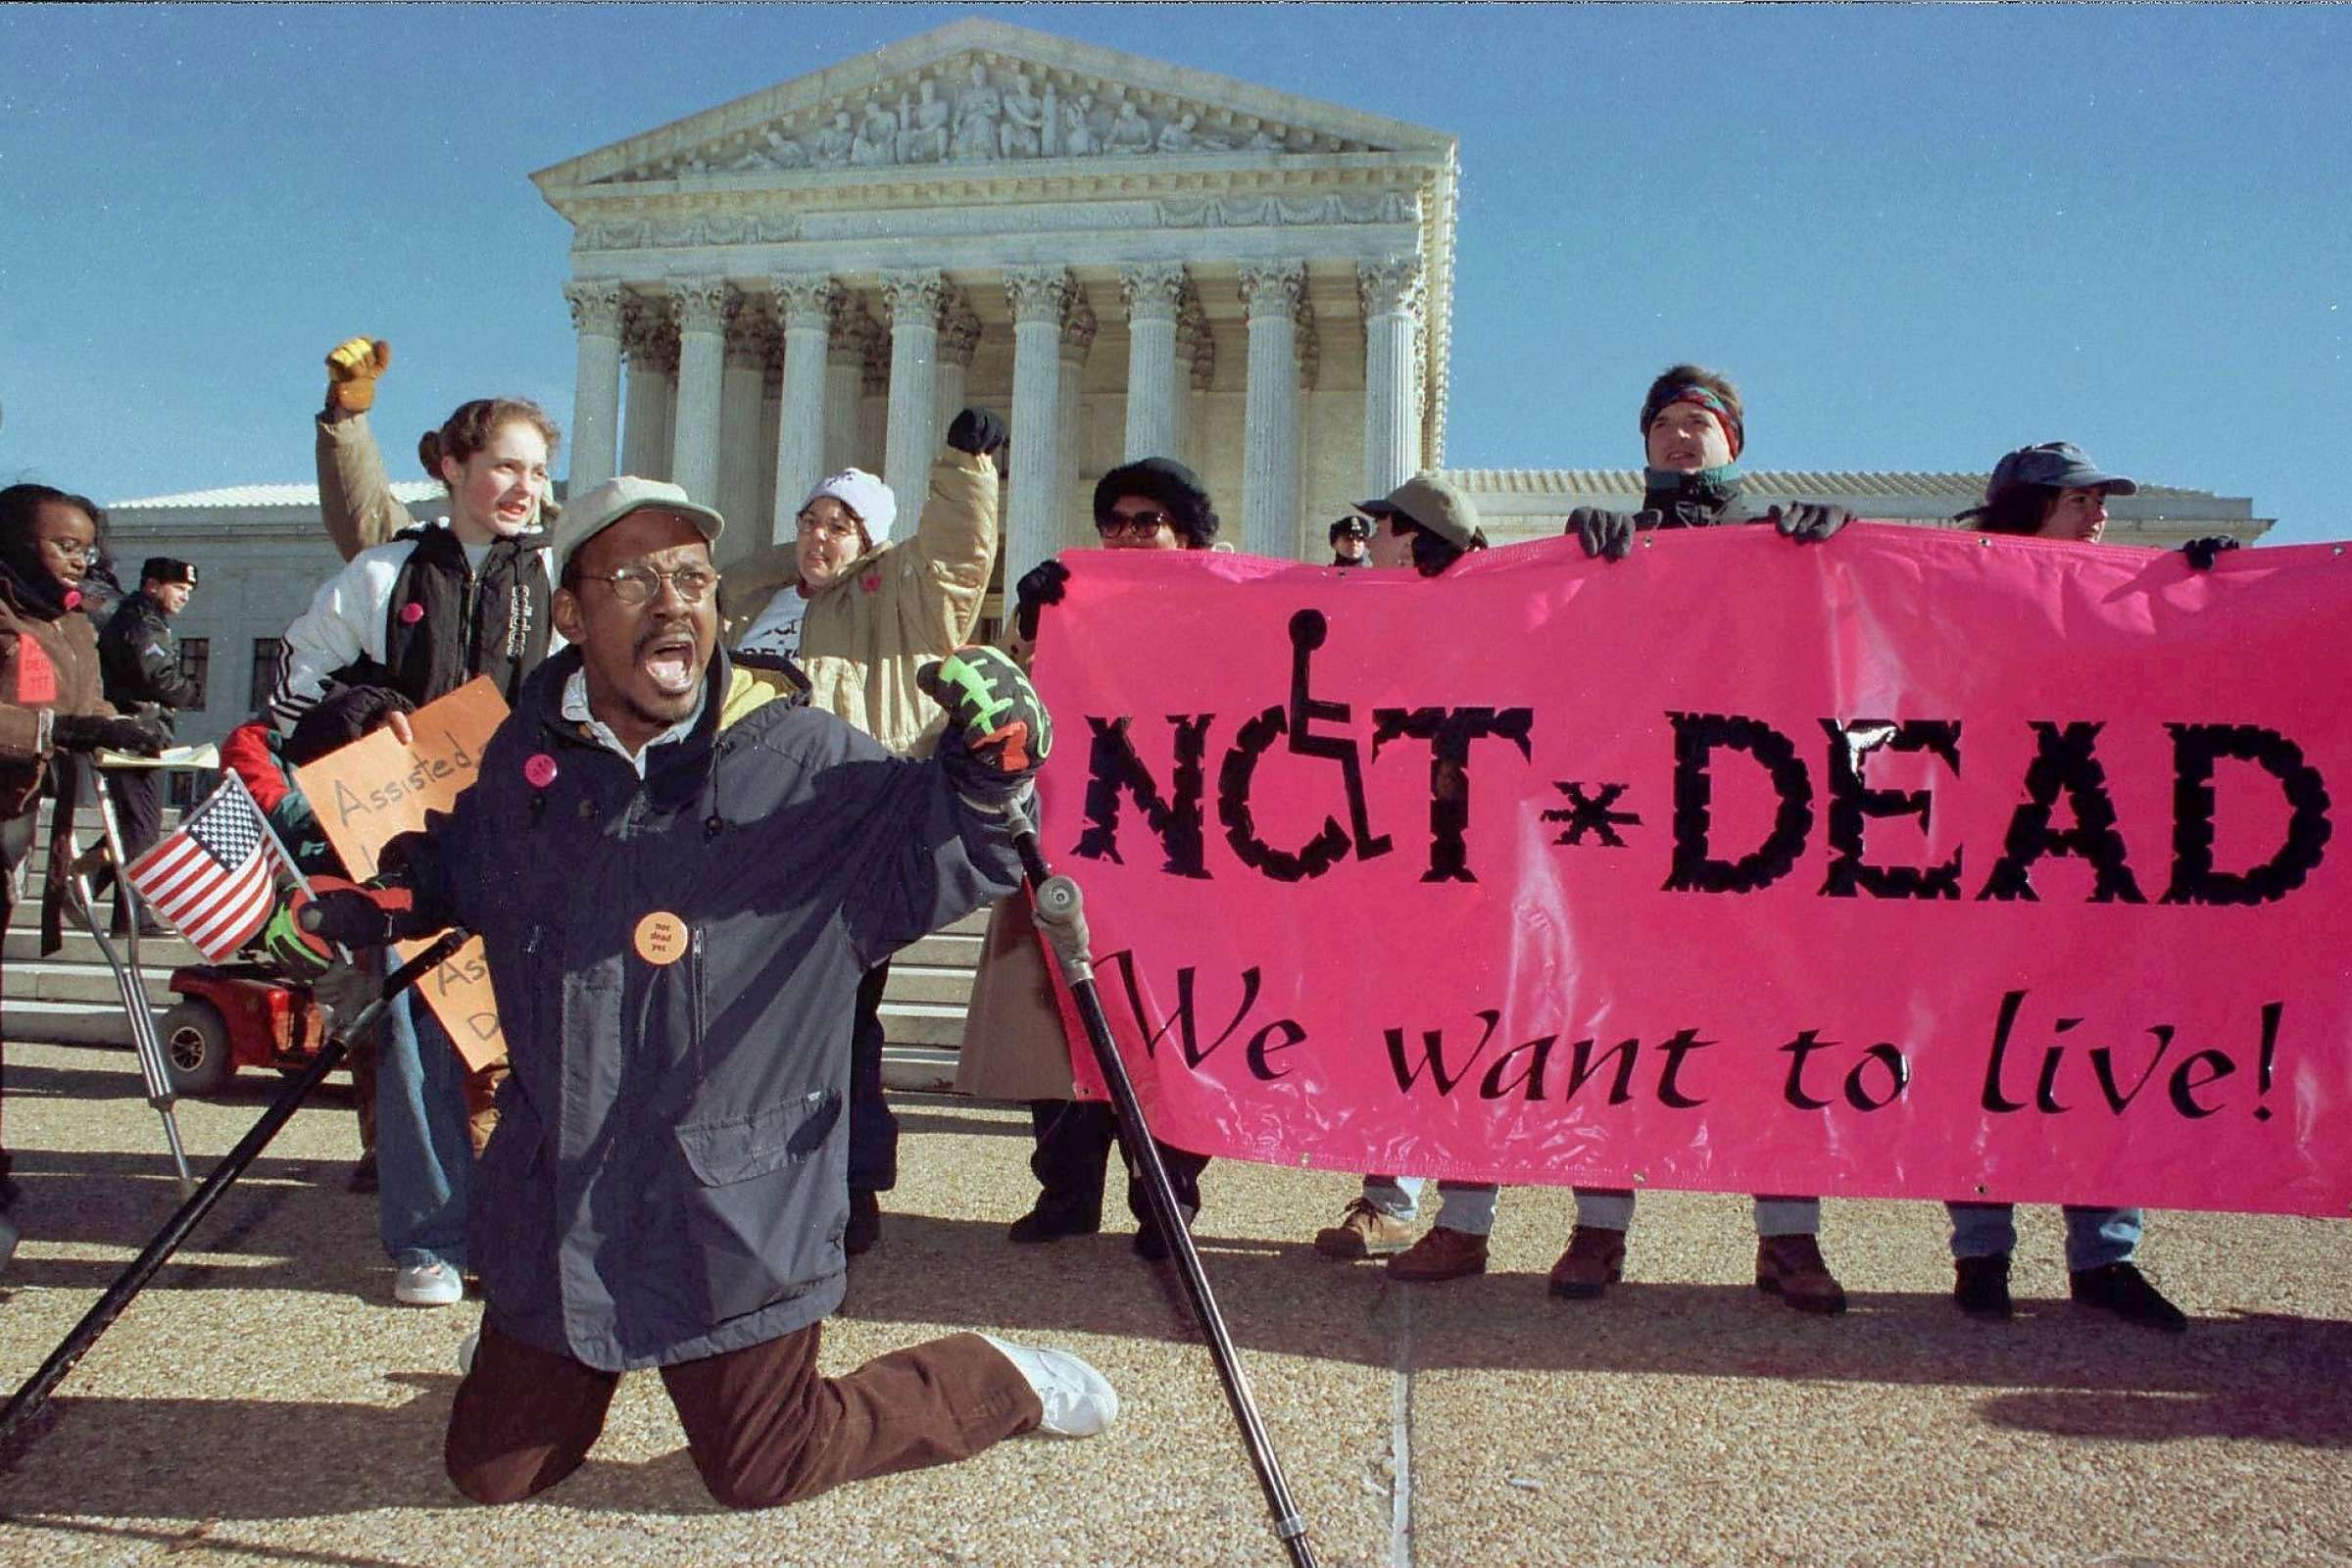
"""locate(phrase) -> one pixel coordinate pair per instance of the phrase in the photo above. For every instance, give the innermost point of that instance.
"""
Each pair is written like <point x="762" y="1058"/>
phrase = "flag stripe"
<point x="213" y="878"/>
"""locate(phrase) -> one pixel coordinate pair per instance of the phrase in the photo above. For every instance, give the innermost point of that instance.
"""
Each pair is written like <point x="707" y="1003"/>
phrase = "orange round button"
<point x="660" y="938"/>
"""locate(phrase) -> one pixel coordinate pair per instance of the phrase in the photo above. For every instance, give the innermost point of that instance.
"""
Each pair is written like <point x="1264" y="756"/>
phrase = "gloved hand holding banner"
<point x="1913" y="864"/>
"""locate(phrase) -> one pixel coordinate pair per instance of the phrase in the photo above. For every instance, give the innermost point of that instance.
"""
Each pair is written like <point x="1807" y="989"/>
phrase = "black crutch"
<point x="128" y="981"/>
<point x="1061" y="916"/>
<point x="17" y="1427"/>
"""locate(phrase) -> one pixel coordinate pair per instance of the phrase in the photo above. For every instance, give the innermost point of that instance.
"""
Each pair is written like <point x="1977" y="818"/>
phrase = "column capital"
<point x="1391" y="287"/>
<point x="850" y="333"/>
<point x="1078" y="325"/>
<point x="1276" y="288"/>
<point x="805" y="299"/>
<point x="1038" y="293"/>
<point x="648" y="335"/>
<point x="701" y="303"/>
<point x="1154" y="291"/>
<point x="918" y="295"/>
<point x="751" y="334"/>
<point x="596" y="304"/>
<point x="958" y="333"/>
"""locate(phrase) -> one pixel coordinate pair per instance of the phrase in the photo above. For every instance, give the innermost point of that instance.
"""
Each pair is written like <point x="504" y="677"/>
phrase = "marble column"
<point x="1078" y="328"/>
<point x="808" y="304"/>
<point x="771" y="428"/>
<point x="873" y="401"/>
<point x="1154" y="294"/>
<point x="596" y="386"/>
<point x="911" y="432"/>
<point x="1197" y="369"/>
<point x="653" y="349"/>
<point x="1040" y="297"/>
<point x="702" y="304"/>
<point x="845" y="383"/>
<point x="958" y="341"/>
<point x="741" y="451"/>
<point x="1271" y="295"/>
<point x="1391" y="292"/>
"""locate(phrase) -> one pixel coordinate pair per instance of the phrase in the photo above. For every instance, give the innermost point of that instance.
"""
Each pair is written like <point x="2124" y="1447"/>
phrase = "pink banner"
<point x="1912" y="865"/>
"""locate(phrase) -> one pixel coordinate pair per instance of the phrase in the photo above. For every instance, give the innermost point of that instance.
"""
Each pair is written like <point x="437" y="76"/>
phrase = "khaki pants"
<point x="763" y="1425"/>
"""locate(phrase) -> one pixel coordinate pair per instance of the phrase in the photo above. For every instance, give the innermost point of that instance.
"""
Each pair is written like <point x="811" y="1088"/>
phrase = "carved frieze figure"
<point x="778" y="152"/>
<point x="1022" y="134"/>
<point x="877" y="137"/>
<point x="924" y="138"/>
<point x="1130" y="132"/>
<point x="977" y="112"/>
<point x="1267" y="140"/>
<point x="1078" y="138"/>
<point x="1176" y="136"/>
<point x="834" y="143"/>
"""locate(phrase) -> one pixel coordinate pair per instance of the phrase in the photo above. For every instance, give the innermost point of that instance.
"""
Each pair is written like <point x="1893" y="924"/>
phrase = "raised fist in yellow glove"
<point x="351" y="370"/>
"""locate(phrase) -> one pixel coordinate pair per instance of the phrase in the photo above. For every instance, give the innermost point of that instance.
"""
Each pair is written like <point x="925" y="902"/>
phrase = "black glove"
<point x="1807" y="523"/>
<point x="998" y="731"/>
<point x="340" y="717"/>
<point x="1603" y="532"/>
<point x="362" y="917"/>
<point x="1041" y="585"/>
<point x="978" y="431"/>
<point x="86" y="732"/>
<point x="2201" y="552"/>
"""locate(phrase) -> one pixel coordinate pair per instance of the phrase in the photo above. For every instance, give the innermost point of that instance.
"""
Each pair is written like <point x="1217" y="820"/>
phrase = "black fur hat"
<point x="1171" y="484"/>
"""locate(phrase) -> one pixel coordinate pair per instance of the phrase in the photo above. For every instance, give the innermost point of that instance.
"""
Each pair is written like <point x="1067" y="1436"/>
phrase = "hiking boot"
<point x="431" y="1283"/>
<point x="1363" y="1231"/>
<point x="1790" y="1267"/>
<point x="1441" y="1254"/>
<point x="1149" y="1245"/>
<point x="1079" y="1401"/>
<point x="1050" y="1221"/>
<point x="865" y="1222"/>
<point x="1595" y="1261"/>
<point x="2122" y="1288"/>
<point x="1981" y="1286"/>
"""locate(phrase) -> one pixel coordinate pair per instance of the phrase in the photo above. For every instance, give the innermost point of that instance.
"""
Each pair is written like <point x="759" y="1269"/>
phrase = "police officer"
<point x="139" y="660"/>
<point x="1351" y="540"/>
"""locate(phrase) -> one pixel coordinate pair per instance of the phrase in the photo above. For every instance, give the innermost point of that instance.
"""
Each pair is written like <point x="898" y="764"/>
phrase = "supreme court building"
<point x="1126" y="258"/>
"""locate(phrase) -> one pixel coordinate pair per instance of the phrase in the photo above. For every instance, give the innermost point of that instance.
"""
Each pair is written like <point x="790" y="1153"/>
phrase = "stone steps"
<point x="69" y="996"/>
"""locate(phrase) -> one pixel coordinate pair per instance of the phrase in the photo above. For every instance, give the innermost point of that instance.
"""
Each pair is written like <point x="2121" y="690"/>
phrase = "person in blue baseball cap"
<point x="2048" y="491"/>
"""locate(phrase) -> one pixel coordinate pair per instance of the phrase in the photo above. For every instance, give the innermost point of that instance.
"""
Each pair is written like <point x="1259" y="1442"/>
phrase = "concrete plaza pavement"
<point x="266" y="1402"/>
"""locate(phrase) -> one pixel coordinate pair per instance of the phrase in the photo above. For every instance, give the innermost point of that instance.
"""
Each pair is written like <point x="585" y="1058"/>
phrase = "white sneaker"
<point x="1079" y="1400"/>
<point x="433" y="1284"/>
<point x="465" y="1348"/>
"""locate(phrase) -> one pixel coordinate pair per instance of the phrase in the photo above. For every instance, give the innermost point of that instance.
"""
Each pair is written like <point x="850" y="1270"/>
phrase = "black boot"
<point x="1981" y="1286"/>
<point x="865" y="1222"/>
<point x="2122" y="1288"/>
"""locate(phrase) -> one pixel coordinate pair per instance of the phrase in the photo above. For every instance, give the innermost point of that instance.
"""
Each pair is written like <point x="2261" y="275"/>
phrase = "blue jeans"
<point x="2094" y="1237"/>
<point x="1611" y="1209"/>
<point x="423" y="1155"/>
<point x="1466" y="1206"/>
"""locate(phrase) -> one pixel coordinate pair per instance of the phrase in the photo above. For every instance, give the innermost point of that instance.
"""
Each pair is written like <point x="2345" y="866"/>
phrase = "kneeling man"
<point x="679" y="876"/>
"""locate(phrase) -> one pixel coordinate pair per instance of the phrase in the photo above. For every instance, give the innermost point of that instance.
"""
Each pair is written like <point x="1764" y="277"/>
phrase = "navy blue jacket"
<point x="669" y="1177"/>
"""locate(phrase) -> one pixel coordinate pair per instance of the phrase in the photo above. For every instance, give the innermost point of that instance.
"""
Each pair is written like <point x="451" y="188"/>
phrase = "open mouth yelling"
<point x="667" y="660"/>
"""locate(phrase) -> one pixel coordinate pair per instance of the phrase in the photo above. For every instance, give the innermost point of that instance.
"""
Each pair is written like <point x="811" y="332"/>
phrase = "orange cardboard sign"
<point x="366" y="793"/>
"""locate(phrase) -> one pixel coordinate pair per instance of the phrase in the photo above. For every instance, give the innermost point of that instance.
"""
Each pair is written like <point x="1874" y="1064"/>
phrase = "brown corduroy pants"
<point x="764" y="1426"/>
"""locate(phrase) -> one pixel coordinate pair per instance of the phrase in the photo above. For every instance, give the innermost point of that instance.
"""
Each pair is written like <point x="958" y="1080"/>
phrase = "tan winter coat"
<point x="1013" y="1046"/>
<point x="895" y="609"/>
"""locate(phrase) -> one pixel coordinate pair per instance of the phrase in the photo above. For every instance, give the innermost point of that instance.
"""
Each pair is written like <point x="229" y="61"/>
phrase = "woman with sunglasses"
<point x="1013" y="1045"/>
<point x="50" y="697"/>
<point x="857" y="611"/>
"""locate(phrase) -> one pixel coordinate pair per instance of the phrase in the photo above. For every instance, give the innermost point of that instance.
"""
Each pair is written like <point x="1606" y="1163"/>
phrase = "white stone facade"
<point x="1124" y="258"/>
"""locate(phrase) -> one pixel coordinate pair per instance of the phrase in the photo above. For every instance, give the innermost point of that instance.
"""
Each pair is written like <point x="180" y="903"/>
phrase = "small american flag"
<point x="215" y="877"/>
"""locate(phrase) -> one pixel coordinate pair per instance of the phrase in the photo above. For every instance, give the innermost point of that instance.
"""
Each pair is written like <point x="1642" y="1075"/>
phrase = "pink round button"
<point x="412" y="612"/>
<point x="540" y="770"/>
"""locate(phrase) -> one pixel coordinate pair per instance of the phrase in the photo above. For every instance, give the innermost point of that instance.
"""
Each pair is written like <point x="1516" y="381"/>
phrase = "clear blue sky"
<point x="1918" y="236"/>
